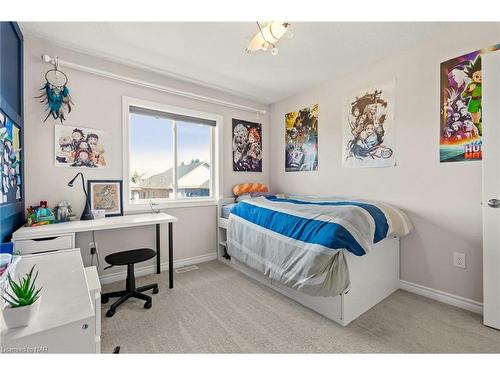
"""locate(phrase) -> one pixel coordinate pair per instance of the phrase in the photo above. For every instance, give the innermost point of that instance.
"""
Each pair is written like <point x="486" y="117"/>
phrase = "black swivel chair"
<point x="129" y="258"/>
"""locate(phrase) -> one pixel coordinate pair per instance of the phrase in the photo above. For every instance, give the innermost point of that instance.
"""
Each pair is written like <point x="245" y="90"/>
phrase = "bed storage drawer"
<point x="331" y="307"/>
<point x="43" y="244"/>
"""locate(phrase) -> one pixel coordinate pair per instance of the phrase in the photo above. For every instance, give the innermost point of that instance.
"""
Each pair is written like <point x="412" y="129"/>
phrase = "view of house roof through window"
<point x="152" y="154"/>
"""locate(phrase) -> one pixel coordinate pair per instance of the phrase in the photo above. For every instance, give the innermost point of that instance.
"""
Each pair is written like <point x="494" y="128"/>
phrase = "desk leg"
<point x="170" y="256"/>
<point x="158" y="262"/>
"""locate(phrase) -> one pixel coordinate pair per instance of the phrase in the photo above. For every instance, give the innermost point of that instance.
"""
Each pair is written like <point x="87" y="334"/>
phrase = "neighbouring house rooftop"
<point x="193" y="175"/>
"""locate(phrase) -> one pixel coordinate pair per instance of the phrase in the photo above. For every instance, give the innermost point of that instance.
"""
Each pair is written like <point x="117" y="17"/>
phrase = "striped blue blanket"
<point x="300" y="241"/>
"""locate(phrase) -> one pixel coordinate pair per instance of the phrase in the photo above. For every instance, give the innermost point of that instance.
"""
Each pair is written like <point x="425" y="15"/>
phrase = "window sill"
<point x="144" y="207"/>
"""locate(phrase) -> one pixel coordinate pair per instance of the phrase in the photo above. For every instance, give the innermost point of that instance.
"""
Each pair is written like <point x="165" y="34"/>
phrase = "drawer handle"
<point x="44" y="239"/>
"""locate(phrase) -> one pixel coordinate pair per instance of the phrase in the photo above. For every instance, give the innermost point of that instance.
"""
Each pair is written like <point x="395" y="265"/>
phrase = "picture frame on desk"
<point x="106" y="195"/>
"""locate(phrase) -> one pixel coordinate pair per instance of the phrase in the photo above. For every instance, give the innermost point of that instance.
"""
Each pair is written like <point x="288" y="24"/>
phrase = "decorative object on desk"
<point x="247" y="146"/>
<point x="63" y="211"/>
<point x="77" y="147"/>
<point x="153" y="206"/>
<point x="87" y="212"/>
<point x="10" y="161"/>
<point x="23" y="299"/>
<point x="40" y="215"/>
<point x="106" y="195"/>
<point x="55" y="93"/>
<point x="44" y="214"/>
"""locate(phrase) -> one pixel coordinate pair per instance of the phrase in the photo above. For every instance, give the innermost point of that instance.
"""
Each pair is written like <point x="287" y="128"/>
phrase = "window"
<point x="170" y="154"/>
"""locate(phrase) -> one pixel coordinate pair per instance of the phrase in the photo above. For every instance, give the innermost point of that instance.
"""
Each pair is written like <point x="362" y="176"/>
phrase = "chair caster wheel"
<point x="110" y="313"/>
<point x="155" y="290"/>
<point x="104" y="299"/>
<point x="148" y="305"/>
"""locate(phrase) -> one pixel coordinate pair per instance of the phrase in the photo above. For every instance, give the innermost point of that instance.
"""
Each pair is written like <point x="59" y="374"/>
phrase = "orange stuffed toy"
<point x="249" y="188"/>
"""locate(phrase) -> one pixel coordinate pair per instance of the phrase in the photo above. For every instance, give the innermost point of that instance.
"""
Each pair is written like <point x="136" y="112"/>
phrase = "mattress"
<point x="303" y="243"/>
<point x="226" y="210"/>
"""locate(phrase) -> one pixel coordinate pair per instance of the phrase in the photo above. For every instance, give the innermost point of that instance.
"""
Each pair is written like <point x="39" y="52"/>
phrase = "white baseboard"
<point x="147" y="270"/>
<point x="438" y="295"/>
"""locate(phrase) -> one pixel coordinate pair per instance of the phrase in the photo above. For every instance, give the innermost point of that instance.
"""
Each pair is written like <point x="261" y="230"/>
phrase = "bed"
<point x="337" y="257"/>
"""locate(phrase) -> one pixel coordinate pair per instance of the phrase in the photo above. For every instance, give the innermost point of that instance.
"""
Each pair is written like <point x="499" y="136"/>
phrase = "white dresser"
<point x="69" y="317"/>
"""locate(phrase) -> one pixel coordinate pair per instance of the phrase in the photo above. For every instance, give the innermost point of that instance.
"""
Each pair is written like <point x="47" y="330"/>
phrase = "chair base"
<point x="130" y="292"/>
<point x="126" y="294"/>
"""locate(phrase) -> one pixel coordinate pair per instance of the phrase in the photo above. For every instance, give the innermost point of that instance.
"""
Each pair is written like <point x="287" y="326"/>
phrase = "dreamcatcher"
<point x="56" y="93"/>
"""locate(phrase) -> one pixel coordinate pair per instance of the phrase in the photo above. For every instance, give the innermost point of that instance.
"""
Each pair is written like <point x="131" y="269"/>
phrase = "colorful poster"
<point x="78" y="147"/>
<point x="461" y="117"/>
<point x="301" y="140"/>
<point x="247" y="146"/>
<point x="10" y="160"/>
<point x="368" y="128"/>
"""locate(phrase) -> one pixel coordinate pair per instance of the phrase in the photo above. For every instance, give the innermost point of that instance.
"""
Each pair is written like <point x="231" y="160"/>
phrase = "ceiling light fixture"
<point x="268" y="36"/>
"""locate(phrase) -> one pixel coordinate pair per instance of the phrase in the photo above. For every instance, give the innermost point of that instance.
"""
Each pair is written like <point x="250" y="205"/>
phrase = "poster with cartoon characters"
<point x="461" y="107"/>
<point x="461" y="124"/>
<point x="368" y="128"/>
<point x="301" y="140"/>
<point x="247" y="146"/>
<point x="78" y="147"/>
<point x="10" y="160"/>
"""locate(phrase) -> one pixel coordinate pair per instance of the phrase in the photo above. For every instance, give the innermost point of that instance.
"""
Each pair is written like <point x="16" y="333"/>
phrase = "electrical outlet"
<point x="459" y="260"/>
<point x="92" y="247"/>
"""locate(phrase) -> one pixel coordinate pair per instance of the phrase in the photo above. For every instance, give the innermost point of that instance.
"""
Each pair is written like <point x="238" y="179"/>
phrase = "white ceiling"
<point x="213" y="53"/>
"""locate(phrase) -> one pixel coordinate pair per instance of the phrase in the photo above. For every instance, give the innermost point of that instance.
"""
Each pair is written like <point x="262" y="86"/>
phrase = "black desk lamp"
<point x="87" y="212"/>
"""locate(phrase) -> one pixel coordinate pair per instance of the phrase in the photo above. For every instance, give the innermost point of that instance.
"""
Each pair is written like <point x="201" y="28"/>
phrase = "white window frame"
<point x="215" y="156"/>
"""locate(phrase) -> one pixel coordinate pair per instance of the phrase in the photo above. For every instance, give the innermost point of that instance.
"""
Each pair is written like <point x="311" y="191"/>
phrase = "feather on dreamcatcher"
<point x="56" y="94"/>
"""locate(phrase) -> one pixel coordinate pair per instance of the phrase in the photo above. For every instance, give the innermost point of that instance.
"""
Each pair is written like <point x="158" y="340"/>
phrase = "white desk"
<point x="62" y="235"/>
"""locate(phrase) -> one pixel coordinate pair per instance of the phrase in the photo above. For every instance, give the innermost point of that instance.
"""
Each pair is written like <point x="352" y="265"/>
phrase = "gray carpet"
<point x="218" y="310"/>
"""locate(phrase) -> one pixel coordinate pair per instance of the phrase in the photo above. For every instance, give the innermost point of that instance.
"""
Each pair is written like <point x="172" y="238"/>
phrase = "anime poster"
<point x="461" y="117"/>
<point x="10" y="160"/>
<point x="461" y="125"/>
<point x="247" y="146"/>
<point x="301" y="140"/>
<point x="368" y="128"/>
<point x="78" y="147"/>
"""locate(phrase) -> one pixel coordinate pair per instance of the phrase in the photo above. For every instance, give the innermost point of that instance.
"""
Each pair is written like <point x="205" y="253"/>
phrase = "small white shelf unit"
<point x="222" y="225"/>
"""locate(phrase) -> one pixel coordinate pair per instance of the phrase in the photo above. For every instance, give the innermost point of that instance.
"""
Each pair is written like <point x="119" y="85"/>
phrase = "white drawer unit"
<point x="43" y="244"/>
<point x="66" y="321"/>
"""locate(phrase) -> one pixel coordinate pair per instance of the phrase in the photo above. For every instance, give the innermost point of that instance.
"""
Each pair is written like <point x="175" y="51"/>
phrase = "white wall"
<point x="442" y="199"/>
<point x="98" y="105"/>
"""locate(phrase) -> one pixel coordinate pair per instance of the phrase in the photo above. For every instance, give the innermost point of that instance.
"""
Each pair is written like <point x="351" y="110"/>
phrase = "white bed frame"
<point x="374" y="277"/>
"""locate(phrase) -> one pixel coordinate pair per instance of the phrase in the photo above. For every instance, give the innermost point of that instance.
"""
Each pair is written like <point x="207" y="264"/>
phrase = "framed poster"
<point x="368" y="127"/>
<point x="247" y="146"/>
<point x="77" y="147"/>
<point x="301" y="140"/>
<point x="106" y="195"/>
